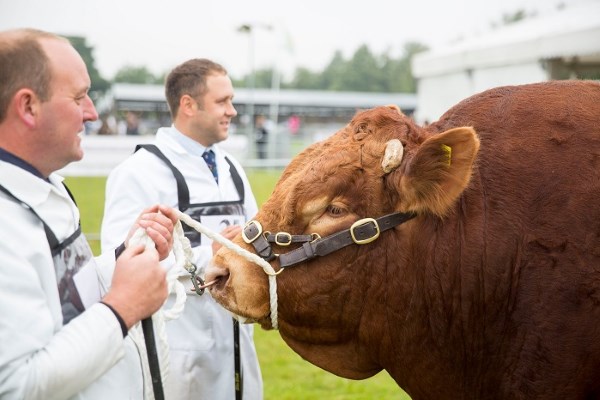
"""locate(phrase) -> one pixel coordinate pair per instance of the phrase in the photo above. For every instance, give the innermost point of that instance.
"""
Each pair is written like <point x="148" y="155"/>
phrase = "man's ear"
<point x="187" y="105"/>
<point x="27" y="106"/>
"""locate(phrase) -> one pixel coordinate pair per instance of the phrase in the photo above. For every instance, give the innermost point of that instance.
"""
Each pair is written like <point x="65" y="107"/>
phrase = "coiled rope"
<point x="183" y="261"/>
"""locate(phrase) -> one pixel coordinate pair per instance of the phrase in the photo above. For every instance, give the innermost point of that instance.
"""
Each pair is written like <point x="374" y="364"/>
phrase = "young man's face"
<point x="215" y="111"/>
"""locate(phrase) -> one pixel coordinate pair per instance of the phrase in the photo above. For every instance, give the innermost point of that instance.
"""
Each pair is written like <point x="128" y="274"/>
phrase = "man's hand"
<point x="229" y="233"/>
<point x="158" y="222"/>
<point x="139" y="286"/>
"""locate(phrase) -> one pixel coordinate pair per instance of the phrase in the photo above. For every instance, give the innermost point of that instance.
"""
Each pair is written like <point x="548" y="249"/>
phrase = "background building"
<point x="563" y="44"/>
<point x="130" y="114"/>
<point x="314" y="109"/>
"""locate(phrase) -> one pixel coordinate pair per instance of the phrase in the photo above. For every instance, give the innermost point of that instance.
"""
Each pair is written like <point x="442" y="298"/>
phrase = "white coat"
<point x="39" y="357"/>
<point x="201" y="339"/>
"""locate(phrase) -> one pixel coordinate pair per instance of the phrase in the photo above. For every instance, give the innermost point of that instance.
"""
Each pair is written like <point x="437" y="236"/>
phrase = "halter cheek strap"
<point x="362" y="232"/>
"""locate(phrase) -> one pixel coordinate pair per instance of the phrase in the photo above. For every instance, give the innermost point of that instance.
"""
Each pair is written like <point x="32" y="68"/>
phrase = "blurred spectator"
<point x="261" y="136"/>
<point x="109" y="125"/>
<point x="294" y="124"/>
<point x="133" y="123"/>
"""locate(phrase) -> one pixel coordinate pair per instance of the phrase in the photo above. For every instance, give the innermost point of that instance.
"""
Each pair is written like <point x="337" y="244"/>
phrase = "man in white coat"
<point x="186" y="168"/>
<point x="64" y="334"/>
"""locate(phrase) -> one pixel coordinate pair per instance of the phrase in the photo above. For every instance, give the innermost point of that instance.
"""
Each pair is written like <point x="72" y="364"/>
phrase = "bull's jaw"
<point x="347" y="359"/>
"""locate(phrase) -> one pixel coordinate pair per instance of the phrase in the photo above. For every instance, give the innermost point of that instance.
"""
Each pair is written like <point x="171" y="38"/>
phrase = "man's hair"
<point x="189" y="78"/>
<point x="24" y="64"/>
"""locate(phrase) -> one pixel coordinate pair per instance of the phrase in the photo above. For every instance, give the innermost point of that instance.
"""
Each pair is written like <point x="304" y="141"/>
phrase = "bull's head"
<point x="334" y="310"/>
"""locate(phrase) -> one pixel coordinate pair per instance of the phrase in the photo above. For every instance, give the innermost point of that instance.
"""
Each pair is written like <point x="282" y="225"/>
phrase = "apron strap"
<point x="237" y="180"/>
<point x="183" y="193"/>
<point x="55" y="245"/>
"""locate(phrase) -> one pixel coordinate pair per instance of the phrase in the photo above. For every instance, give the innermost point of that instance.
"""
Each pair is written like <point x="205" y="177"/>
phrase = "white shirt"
<point x="201" y="340"/>
<point x="39" y="357"/>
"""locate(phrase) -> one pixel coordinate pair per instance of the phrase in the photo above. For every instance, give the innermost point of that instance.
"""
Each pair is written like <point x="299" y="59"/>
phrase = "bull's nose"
<point x="219" y="275"/>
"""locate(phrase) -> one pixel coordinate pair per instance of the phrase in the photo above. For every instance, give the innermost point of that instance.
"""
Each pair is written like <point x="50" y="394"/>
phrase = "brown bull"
<point x="486" y="285"/>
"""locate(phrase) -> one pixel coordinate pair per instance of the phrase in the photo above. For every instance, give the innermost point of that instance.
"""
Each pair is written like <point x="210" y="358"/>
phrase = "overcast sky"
<point x="162" y="34"/>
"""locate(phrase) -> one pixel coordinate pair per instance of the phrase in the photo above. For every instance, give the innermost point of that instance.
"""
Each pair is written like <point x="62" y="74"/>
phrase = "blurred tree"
<point x="397" y="73"/>
<point x="263" y="78"/>
<point x="364" y="72"/>
<point x="133" y="74"/>
<point x="514" y="17"/>
<point x="306" y="79"/>
<point x="331" y="77"/>
<point x="160" y="79"/>
<point x="99" y="84"/>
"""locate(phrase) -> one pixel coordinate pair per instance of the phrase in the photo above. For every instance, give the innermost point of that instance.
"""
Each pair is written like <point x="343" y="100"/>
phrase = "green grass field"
<point x="286" y="376"/>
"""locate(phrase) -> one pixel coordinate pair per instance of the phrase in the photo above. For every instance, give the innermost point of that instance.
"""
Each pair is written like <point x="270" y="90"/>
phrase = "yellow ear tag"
<point x="448" y="151"/>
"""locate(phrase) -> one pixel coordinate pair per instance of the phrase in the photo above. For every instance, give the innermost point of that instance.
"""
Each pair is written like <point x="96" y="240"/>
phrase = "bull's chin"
<point x="264" y="322"/>
<point x="242" y="320"/>
<point x="242" y="317"/>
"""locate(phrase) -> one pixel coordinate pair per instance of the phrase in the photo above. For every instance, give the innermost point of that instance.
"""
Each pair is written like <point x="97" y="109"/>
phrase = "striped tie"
<point x="209" y="157"/>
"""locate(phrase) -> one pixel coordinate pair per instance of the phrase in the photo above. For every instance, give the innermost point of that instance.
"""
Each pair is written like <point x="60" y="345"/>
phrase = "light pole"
<point x="249" y="29"/>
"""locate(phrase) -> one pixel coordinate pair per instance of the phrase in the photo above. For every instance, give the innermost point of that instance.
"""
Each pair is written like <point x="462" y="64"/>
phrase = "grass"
<point x="286" y="375"/>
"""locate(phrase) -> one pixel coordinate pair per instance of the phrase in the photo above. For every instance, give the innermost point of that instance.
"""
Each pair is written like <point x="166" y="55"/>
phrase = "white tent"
<point x="562" y="44"/>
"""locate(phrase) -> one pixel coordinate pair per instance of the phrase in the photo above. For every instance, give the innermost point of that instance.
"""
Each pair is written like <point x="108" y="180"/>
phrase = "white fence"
<point x="103" y="153"/>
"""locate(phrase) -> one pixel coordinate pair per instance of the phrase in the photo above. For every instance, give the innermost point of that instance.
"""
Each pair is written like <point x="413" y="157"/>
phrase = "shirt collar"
<point x="192" y="147"/>
<point x="19" y="162"/>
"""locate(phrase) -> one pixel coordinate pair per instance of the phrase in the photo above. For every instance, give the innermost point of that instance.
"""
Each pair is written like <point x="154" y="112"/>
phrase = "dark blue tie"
<point x="209" y="157"/>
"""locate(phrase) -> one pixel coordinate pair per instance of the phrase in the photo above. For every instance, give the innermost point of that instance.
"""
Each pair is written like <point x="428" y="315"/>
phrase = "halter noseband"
<point x="361" y="232"/>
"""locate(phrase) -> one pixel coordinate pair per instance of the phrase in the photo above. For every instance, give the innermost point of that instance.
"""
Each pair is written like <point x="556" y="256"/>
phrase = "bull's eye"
<point x="335" y="211"/>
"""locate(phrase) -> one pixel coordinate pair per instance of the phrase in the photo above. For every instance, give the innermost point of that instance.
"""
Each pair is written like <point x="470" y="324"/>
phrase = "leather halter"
<point x="361" y="232"/>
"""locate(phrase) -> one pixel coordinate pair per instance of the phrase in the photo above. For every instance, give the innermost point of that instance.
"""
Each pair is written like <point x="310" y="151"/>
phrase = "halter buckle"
<point x="360" y="223"/>
<point x="287" y="239"/>
<point x="252" y="225"/>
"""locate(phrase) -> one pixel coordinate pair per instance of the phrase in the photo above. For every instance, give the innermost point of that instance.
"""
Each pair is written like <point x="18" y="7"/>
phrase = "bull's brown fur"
<point x="491" y="292"/>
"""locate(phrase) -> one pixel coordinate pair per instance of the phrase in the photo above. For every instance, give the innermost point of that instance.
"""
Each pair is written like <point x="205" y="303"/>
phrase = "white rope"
<point x="237" y="250"/>
<point x="183" y="256"/>
<point x="183" y="260"/>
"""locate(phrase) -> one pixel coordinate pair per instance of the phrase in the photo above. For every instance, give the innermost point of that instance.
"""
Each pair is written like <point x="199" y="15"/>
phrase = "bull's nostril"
<point x="216" y="277"/>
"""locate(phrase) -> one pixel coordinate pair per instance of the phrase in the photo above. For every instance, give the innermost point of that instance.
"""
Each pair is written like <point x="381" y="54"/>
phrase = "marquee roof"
<point x="573" y="31"/>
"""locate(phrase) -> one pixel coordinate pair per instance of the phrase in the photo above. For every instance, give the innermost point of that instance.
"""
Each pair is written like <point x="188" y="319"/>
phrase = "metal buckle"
<point x="287" y="237"/>
<point x="259" y="231"/>
<point x="361" y="222"/>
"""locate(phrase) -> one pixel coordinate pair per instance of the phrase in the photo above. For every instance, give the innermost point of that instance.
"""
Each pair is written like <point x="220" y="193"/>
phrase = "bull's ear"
<point x="439" y="171"/>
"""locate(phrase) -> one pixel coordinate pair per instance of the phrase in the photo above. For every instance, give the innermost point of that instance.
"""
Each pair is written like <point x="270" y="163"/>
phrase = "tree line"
<point x="364" y="71"/>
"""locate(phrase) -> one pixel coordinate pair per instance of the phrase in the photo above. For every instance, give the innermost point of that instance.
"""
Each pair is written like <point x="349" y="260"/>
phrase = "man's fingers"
<point x="132" y="251"/>
<point x="231" y="231"/>
<point x="169" y="213"/>
<point x="162" y="243"/>
<point x="160" y="224"/>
